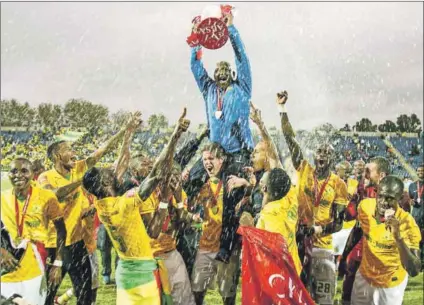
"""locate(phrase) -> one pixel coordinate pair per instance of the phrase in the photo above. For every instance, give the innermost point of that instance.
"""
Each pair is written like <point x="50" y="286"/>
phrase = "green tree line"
<point x="75" y="113"/>
<point x="404" y="123"/>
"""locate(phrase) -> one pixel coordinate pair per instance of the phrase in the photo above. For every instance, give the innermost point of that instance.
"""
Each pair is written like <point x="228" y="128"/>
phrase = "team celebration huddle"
<point x="236" y="210"/>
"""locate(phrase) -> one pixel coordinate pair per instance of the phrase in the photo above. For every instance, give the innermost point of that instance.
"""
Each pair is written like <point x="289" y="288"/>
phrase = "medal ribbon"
<point x="219" y="106"/>
<point x="215" y="196"/>
<point x="419" y="190"/>
<point x="370" y="192"/>
<point x="318" y="198"/>
<point x="169" y="217"/>
<point x="20" y="222"/>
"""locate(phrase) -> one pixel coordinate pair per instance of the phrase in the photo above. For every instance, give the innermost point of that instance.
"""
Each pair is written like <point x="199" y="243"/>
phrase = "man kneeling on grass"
<point x="390" y="249"/>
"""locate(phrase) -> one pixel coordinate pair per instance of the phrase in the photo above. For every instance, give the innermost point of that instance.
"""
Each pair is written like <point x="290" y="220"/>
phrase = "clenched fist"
<point x="282" y="98"/>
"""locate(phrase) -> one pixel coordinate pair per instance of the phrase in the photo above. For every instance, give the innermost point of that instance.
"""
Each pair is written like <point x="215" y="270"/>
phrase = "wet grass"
<point x="107" y="294"/>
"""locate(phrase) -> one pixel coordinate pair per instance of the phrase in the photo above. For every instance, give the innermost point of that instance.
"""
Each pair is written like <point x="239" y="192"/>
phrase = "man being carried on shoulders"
<point x="227" y="110"/>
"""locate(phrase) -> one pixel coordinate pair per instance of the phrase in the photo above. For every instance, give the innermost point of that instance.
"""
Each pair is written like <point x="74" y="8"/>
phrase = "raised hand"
<point x="282" y="97"/>
<point x="228" y="19"/>
<point x="255" y="114"/>
<point x="134" y="121"/>
<point x="183" y="123"/>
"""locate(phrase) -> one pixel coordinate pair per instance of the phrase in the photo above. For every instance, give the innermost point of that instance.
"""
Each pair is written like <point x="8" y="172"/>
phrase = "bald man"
<point x="358" y="169"/>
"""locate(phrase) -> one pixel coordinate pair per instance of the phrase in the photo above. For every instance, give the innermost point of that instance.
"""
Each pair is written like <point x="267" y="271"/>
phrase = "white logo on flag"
<point x="272" y="277"/>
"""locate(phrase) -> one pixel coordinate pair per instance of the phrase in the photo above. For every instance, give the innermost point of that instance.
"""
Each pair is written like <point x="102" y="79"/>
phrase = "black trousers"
<point x="234" y="164"/>
<point x="187" y="245"/>
<point x="77" y="264"/>
<point x="304" y="246"/>
<point x="104" y="244"/>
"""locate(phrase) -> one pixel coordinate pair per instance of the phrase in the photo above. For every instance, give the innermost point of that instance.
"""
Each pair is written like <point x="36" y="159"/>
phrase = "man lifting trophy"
<point x="227" y="97"/>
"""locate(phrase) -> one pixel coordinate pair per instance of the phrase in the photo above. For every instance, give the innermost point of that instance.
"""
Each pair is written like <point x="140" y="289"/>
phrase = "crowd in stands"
<point x="33" y="145"/>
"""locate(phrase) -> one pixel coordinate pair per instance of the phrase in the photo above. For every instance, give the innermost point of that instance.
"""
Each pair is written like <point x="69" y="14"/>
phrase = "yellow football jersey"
<point x="335" y="192"/>
<point x="381" y="265"/>
<point x="165" y="242"/>
<point x="89" y="228"/>
<point x="42" y="209"/>
<point x="72" y="205"/>
<point x="212" y="222"/>
<point x="281" y="217"/>
<point x="122" y="221"/>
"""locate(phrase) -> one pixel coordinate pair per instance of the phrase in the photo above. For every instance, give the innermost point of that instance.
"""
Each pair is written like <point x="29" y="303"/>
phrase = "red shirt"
<point x="363" y="192"/>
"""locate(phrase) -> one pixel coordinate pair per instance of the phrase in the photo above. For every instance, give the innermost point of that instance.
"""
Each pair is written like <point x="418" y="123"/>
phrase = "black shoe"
<point x="223" y="256"/>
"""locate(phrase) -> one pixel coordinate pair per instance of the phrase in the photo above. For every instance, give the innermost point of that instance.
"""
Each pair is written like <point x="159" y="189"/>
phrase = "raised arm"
<point x="184" y="155"/>
<point x="200" y="74"/>
<point x="289" y="135"/>
<point x="61" y="192"/>
<point x="154" y="221"/>
<point x="106" y="147"/>
<point x="124" y="156"/>
<point x="162" y="166"/>
<point x="272" y="153"/>
<point x="244" y="73"/>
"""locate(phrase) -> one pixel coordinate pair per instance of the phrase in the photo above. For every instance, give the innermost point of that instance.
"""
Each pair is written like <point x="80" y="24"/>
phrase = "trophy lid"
<point x="212" y="33"/>
<point x="211" y="11"/>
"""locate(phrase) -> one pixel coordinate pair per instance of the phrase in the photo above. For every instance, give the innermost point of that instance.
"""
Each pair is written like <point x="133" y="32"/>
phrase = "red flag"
<point x="268" y="272"/>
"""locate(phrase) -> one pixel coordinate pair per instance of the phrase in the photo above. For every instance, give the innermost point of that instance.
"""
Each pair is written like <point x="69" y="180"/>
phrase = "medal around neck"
<point x="218" y="114"/>
<point x="388" y="213"/>
<point x="215" y="210"/>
